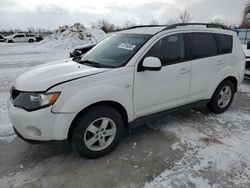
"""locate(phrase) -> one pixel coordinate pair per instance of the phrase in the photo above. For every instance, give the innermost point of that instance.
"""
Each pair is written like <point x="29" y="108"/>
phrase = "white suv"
<point x="21" y="37"/>
<point x="126" y="80"/>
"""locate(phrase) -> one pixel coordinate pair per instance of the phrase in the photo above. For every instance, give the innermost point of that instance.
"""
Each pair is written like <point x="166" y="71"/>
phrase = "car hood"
<point x="42" y="77"/>
<point x="8" y="37"/>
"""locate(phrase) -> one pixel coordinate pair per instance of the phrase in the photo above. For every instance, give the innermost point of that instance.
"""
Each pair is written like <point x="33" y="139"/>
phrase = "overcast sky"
<point x="49" y="14"/>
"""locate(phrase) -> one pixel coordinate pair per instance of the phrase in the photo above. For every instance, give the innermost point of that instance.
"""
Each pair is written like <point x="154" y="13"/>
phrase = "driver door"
<point x="156" y="91"/>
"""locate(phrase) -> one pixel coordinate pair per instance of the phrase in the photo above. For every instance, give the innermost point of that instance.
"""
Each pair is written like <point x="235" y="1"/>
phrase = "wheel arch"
<point x="233" y="80"/>
<point x="120" y="108"/>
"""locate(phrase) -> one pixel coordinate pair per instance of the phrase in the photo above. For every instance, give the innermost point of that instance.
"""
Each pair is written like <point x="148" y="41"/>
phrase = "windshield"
<point x="115" y="51"/>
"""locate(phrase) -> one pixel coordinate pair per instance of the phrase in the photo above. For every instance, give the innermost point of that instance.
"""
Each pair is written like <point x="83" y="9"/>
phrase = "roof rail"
<point x="208" y="25"/>
<point x="140" y="26"/>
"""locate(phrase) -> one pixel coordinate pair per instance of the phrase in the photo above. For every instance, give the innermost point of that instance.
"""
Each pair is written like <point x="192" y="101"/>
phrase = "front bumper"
<point x="40" y="125"/>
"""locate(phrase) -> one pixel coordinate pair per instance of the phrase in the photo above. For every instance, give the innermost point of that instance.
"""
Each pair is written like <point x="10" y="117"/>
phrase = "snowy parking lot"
<point x="192" y="148"/>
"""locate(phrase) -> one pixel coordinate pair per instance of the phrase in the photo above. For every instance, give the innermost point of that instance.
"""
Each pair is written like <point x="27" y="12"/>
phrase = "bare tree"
<point x="246" y="16"/>
<point x="221" y="22"/>
<point x="128" y="24"/>
<point x="185" y="17"/>
<point x="104" y="25"/>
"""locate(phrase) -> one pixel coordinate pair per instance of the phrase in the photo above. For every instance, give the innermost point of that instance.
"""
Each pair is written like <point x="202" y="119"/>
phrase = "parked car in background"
<point x="244" y="36"/>
<point x="21" y="37"/>
<point x="2" y="38"/>
<point x="39" y="38"/>
<point x="80" y="50"/>
<point x="131" y="77"/>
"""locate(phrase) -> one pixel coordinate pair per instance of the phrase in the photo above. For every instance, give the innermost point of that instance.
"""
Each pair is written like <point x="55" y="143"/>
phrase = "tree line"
<point x="184" y="17"/>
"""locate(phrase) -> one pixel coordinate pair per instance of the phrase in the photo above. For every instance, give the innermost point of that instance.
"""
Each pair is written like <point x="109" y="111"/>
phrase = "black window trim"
<point x="219" y="44"/>
<point x="190" y="58"/>
<point x="18" y="36"/>
<point x="186" y="56"/>
<point x="139" y="66"/>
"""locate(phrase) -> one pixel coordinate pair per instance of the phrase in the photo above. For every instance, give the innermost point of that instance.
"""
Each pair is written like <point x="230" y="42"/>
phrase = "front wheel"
<point x="97" y="131"/>
<point x="222" y="97"/>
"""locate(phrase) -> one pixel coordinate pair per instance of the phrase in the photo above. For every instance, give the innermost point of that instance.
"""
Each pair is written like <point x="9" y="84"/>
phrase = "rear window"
<point x="200" y="45"/>
<point x="226" y="43"/>
<point x="18" y="36"/>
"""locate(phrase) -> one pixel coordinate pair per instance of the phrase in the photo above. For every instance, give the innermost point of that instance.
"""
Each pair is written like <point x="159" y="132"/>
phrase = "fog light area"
<point x="33" y="131"/>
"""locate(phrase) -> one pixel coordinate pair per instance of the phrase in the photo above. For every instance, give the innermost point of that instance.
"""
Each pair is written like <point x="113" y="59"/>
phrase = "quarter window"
<point x="201" y="45"/>
<point x="226" y="42"/>
<point x="169" y="49"/>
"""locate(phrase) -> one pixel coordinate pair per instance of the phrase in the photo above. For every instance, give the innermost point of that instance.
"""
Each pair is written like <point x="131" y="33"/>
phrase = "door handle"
<point x="184" y="71"/>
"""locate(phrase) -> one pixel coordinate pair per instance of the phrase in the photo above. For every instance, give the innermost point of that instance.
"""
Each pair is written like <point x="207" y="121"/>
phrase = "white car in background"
<point x="244" y="36"/>
<point x="246" y="49"/>
<point x="21" y="37"/>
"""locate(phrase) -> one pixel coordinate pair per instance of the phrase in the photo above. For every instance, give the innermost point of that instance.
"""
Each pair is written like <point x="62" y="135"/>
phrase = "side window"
<point x="226" y="43"/>
<point x="18" y="36"/>
<point x="169" y="49"/>
<point x="200" y="45"/>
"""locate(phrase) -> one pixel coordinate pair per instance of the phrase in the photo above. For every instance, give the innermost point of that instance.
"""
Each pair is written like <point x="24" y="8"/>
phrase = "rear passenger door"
<point x="203" y="51"/>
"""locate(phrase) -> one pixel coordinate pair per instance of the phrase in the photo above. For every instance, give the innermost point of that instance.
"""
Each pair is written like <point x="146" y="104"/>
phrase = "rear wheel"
<point x="222" y="97"/>
<point x="97" y="131"/>
<point x="10" y="41"/>
<point x="31" y="40"/>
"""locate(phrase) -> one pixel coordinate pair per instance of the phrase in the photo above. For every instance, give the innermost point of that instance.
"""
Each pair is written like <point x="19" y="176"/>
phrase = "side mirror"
<point x="151" y="64"/>
<point x="248" y="45"/>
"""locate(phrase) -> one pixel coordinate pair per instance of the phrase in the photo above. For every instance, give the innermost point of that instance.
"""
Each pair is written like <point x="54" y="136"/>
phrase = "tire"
<point x="31" y="40"/>
<point x="89" y="136"/>
<point x="219" y="103"/>
<point x="10" y="41"/>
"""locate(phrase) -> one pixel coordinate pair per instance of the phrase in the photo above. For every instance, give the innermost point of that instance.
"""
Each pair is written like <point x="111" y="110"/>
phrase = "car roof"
<point x="144" y="30"/>
<point x="154" y="29"/>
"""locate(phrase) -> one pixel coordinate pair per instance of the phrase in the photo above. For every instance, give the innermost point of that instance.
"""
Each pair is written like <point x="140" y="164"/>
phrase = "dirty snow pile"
<point x="69" y="37"/>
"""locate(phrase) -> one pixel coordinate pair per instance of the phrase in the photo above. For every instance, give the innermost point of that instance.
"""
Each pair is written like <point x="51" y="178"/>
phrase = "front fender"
<point x="88" y="96"/>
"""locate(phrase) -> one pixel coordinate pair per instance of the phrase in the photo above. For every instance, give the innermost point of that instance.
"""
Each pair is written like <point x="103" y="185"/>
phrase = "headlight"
<point x="34" y="101"/>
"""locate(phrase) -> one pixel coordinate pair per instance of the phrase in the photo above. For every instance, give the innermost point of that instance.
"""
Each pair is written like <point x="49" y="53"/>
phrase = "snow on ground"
<point x="215" y="147"/>
<point x="15" y="59"/>
<point x="68" y="37"/>
<point x="245" y="88"/>
<point x="216" y="150"/>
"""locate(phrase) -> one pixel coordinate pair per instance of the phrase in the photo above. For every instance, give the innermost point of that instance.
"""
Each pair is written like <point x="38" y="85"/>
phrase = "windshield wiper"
<point x="76" y="59"/>
<point x="95" y="64"/>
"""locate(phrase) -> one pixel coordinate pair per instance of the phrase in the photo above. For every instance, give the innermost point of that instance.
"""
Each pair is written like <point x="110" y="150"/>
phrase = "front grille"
<point x="14" y="94"/>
